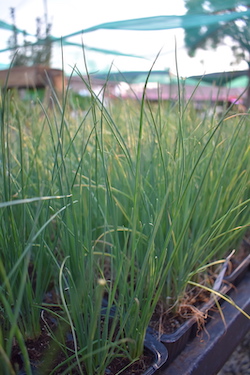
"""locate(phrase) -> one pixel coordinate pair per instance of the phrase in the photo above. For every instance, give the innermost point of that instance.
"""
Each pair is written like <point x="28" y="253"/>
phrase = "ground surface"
<point x="239" y="362"/>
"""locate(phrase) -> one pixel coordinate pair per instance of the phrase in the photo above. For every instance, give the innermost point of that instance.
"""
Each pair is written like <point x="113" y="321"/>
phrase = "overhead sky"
<point x="69" y="16"/>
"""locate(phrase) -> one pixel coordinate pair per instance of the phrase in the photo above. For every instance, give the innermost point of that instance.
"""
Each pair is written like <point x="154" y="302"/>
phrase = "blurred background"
<point x="104" y="46"/>
<point x="205" y="42"/>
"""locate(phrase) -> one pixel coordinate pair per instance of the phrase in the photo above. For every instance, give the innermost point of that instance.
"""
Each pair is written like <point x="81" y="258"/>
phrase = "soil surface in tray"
<point x="45" y="355"/>
<point x="168" y="321"/>
<point x="43" y="351"/>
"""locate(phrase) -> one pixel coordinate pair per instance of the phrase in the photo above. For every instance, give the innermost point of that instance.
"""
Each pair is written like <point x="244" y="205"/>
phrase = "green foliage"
<point x="212" y="35"/>
<point x="125" y="202"/>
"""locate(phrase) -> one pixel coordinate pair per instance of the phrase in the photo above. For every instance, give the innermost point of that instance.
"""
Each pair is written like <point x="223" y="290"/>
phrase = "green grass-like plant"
<point x="116" y="209"/>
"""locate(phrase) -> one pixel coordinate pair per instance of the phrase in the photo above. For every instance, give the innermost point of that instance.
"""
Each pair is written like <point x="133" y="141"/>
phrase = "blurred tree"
<point x="31" y="53"/>
<point x="235" y="33"/>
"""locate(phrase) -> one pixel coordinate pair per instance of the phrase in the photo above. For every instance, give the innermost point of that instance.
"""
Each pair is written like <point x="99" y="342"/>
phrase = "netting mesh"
<point x="200" y="14"/>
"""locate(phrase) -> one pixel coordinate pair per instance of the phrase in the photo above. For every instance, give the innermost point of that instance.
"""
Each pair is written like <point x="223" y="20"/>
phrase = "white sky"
<point x="68" y="16"/>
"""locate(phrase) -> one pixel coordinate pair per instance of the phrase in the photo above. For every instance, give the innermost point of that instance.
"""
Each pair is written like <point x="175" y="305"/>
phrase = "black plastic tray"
<point x="176" y="341"/>
<point x="158" y="350"/>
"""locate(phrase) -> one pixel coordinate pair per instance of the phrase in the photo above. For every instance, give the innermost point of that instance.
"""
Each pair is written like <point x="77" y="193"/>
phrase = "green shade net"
<point x="240" y="82"/>
<point x="66" y="43"/>
<point x="156" y="76"/>
<point x="213" y="16"/>
<point x="224" y="78"/>
<point x="6" y="26"/>
<point x="164" y="78"/>
<point x="167" y="22"/>
<point x="198" y="17"/>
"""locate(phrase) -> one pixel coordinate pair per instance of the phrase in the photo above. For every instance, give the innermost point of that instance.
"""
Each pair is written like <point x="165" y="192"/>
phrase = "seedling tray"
<point x="207" y="356"/>
<point x="176" y="341"/>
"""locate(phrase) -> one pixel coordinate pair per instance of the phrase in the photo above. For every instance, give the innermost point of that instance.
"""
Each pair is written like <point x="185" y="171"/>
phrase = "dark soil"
<point x="167" y="321"/>
<point x="37" y="349"/>
<point x="45" y="354"/>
